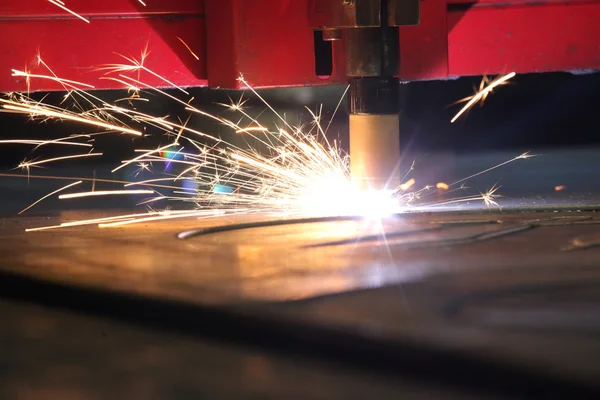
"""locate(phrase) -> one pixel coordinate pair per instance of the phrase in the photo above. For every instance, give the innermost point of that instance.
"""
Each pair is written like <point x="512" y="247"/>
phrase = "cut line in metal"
<point x="479" y="237"/>
<point x="262" y="224"/>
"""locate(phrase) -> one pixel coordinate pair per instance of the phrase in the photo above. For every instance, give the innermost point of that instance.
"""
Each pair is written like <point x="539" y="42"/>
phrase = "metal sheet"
<point x="284" y="262"/>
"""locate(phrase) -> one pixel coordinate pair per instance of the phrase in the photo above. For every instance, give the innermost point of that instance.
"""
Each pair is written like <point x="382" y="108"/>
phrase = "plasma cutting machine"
<point x="370" y="44"/>
<point x="443" y="306"/>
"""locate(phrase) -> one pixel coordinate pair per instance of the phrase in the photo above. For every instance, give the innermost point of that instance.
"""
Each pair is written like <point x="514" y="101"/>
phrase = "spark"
<point x="149" y="219"/>
<point x="142" y="166"/>
<point x="235" y="105"/>
<point x="489" y="196"/>
<point x="103" y="193"/>
<point x="337" y="108"/>
<point x="28" y="164"/>
<point x="94" y="221"/>
<point x="301" y="173"/>
<point x="442" y="186"/>
<point x="252" y="129"/>
<point x="139" y="158"/>
<point x="523" y="156"/>
<point x="407" y="185"/>
<point x="61" y="4"/>
<point x="70" y="83"/>
<point x="39" y="143"/>
<point x="48" y="195"/>
<point x="189" y="49"/>
<point x="559" y="188"/>
<point x="64" y="178"/>
<point x="481" y="94"/>
<point x="136" y="65"/>
<point x="42" y="110"/>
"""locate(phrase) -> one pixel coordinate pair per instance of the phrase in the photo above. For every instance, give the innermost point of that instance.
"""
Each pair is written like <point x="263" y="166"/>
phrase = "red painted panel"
<point x="542" y="38"/>
<point x="270" y="42"/>
<point x="74" y="49"/>
<point x="424" y="48"/>
<point x="526" y="3"/>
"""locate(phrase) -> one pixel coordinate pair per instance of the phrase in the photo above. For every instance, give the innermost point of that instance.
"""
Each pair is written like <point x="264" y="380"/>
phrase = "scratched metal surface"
<point x="518" y="290"/>
<point x="511" y="296"/>
<point x="291" y="261"/>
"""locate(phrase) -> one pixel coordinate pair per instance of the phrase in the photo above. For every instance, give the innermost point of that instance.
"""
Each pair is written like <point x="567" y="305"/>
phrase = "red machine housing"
<point x="271" y="43"/>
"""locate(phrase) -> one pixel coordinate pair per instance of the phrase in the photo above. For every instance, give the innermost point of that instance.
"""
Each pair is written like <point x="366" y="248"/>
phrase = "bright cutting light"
<point x="335" y="195"/>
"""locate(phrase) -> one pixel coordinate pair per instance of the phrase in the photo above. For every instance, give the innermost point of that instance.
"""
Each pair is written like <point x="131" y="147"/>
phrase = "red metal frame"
<point x="270" y="42"/>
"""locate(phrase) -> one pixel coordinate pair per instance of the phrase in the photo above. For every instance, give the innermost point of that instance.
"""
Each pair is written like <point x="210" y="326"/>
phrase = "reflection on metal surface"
<point x="382" y="237"/>
<point x="283" y="260"/>
<point x="561" y="220"/>
<point x="436" y="243"/>
<point x="584" y="242"/>
<point x="468" y="222"/>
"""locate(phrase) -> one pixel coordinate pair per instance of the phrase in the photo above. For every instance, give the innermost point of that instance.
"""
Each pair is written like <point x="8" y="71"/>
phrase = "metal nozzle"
<point x="374" y="127"/>
<point x="375" y="151"/>
<point x="374" y="104"/>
